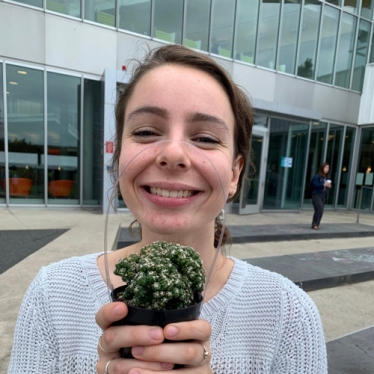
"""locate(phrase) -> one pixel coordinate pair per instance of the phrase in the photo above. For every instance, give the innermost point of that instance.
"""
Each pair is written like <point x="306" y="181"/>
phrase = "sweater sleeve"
<point x="302" y="347"/>
<point x="34" y="349"/>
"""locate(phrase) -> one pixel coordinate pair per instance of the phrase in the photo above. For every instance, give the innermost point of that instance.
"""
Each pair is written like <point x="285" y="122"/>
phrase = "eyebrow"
<point x="148" y="110"/>
<point x="202" y="117"/>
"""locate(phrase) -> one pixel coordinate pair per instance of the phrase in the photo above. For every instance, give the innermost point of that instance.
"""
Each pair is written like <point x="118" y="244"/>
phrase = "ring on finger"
<point x="101" y="347"/>
<point x="205" y="355"/>
<point x="107" y="366"/>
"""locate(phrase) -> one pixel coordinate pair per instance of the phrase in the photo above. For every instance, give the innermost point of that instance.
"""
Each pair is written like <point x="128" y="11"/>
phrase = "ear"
<point x="236" y="170"/>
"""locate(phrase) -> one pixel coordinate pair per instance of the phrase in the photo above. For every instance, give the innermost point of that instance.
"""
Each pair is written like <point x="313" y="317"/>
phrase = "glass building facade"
<point x="53" y="120"/>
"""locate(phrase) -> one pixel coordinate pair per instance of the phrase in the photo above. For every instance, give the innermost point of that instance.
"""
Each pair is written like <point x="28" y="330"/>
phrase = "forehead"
<point x="177" y="87"/>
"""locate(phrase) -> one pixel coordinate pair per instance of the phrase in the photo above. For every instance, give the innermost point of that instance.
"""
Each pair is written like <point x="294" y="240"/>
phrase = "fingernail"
<point x="172" y="331"/>
<point x="137" y="350"/>
<point x="155" y="334"/>
<point x="166" y="365"/>
<point x="118" y="310"/>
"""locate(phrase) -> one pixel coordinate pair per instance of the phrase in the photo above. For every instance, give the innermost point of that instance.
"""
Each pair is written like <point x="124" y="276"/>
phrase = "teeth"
<point x="167" y="193"/>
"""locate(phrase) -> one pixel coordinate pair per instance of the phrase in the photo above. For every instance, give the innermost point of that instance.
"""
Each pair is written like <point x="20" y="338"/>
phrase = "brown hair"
<point x="180" y="55"/>
<point x="321" y="169"/>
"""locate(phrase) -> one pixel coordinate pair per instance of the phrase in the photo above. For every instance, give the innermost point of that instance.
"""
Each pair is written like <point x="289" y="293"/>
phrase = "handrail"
<point x="359" y="204"/>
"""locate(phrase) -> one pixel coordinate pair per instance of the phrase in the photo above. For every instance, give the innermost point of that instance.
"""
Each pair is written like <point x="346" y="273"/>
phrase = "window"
<point x="92" y="142"/>
<point x="268" y="34"/>
<point x="68" y="7"/>
<point x="330" y="23"/>
<point x="222" y="27"/>
<point x="101" y="11"/>
<point x="63" y="104"/>
<point x="197" y="24"/>
<point x="308" y="39"/>
<point x="135" y="16"/>
<point x="289" y="33"/>
<point x="25" y="112"/>
<point x="351" y="6"/>
<point x="246" y="30"/>
<point x="345" y="50"/>
<point x="168" y="20"/>
<point x="36" y="3"/>
<point x="362" y="50"/>
<point x="367" y="9"/>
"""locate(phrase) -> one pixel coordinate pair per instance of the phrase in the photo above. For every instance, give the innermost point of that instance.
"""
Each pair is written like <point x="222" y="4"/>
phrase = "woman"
<point x="320" y="184"/>
<point x="180" y="115"/>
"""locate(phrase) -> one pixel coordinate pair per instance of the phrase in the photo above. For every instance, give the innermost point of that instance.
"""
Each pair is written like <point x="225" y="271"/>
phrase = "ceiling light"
<point x="14" y="83"/>
<point x="316" y="123"/>
<point x="22" y="72"/>
<point x="7" y="92"/>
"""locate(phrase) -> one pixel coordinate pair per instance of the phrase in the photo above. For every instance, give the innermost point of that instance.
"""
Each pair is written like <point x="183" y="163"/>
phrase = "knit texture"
<point x="261" y="323"/>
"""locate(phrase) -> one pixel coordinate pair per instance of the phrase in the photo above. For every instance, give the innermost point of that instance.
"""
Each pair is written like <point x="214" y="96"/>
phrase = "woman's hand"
<point x="194" y="353"/>
<point x="116" y="337"/>
<point x="150" y="355"/>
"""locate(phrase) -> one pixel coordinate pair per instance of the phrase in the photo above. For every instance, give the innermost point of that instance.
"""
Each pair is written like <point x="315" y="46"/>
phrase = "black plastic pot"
<point x="141" y="316"/>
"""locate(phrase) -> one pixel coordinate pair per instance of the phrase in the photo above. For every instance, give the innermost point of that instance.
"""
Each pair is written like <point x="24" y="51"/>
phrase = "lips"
<point x="170" y="193"/>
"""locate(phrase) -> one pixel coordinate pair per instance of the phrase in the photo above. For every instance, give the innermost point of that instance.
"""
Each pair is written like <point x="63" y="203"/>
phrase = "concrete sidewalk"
<point x="343" y="309"/>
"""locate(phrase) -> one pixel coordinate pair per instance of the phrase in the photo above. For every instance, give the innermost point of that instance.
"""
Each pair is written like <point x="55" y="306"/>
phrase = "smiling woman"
<point x="183" y="131"/>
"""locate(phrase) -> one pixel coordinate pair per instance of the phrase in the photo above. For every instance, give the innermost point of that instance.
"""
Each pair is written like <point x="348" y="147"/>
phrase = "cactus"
<point x="164" y="276"/>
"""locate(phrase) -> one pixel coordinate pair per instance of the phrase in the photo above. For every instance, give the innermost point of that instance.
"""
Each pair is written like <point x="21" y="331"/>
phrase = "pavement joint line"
<point x="351" y="333"/>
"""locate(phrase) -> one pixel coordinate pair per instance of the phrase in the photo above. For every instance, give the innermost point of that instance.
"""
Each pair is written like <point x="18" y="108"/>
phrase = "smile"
<point x="171" y="194"/>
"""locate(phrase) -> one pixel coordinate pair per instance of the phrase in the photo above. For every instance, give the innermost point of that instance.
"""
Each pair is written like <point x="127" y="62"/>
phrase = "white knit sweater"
<point x="261" y="323"/>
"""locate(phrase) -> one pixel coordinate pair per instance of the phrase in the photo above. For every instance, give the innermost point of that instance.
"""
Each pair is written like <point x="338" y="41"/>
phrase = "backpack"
<point x="309" y="190"/>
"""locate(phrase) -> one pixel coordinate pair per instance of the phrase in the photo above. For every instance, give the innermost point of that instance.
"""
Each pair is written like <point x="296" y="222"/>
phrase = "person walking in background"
<point x="320" y="184"/>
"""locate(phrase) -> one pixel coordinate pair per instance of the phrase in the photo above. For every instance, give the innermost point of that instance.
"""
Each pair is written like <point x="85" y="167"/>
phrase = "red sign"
<point x="109" y="147"/>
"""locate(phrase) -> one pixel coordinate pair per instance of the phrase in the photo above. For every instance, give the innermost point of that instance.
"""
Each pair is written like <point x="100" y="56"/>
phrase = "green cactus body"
<point x="163" y="276"/>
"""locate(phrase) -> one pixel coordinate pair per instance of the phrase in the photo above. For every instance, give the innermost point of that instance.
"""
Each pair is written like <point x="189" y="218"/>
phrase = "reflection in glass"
<point x="135" y="16"/>
<point x="308" y="39"/>
<point x="327" y="48"/>
<point x="252" y="182"/>
<point x="268" y="34"/>
<point x="345" y="50"/>
<point x="346" y="166"/>
<point x="222" y="27"/>
<point x="288" y="39"/>
<point x="367" y="9"/>
<point x="101" y="11"/>
<point x="335" y="2"/>
<point x="247" y="15"/>
<point x="362" y="50"/>
<point x="334" y="147"/>
<point x="317" y="143"/>
<point x="63" y="138"/>
<point x="197" y="25"/>
<point x="25" y="112"/>
<point x="351" y="6"/>
<point x="36" y="3"/>
<point x="92" y="142"/>
<point x="371" y="58"/>
<point x="68" y="7"/>
<point x="285" y="165"/>
<point x="365" y="168"/>
<point x="2" y="142"/>
<point x="168" y="20"/>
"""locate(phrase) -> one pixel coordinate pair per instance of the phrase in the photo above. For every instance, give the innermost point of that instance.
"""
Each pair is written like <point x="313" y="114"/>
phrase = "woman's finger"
<point x="116" y="337"/>
<point x="110" y="313"/>
<point x="194" y="330"/>
<point x="120" y="365"/>
<point x="192" y="354"/>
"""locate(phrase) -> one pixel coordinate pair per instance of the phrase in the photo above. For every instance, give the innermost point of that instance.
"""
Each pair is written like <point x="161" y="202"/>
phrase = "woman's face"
<point x="179" y="147"/>
<point x="326" y="169"/>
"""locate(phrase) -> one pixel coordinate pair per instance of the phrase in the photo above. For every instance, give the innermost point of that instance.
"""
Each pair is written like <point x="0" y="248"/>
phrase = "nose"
<point x="174" y="155"/>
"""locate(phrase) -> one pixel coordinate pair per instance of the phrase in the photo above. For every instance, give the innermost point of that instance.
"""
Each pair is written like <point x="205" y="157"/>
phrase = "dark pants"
<point x="319" y="205"/>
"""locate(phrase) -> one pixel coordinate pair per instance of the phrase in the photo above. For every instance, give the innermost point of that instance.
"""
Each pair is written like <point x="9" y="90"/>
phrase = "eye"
<point x="144" y="133"/>
<point x="206" y="140"/>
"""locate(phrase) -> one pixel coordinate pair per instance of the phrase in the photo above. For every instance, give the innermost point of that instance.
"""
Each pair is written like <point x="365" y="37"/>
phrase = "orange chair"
<point x="60" y="188"/>
<point x="18" y="186"/>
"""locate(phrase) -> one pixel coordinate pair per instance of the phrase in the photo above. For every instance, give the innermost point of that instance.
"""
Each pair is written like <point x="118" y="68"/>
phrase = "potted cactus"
<point x="164" y="283"/>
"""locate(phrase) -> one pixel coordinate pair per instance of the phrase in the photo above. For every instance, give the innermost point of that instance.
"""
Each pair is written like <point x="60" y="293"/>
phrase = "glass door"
<point x="252" y="193"/>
